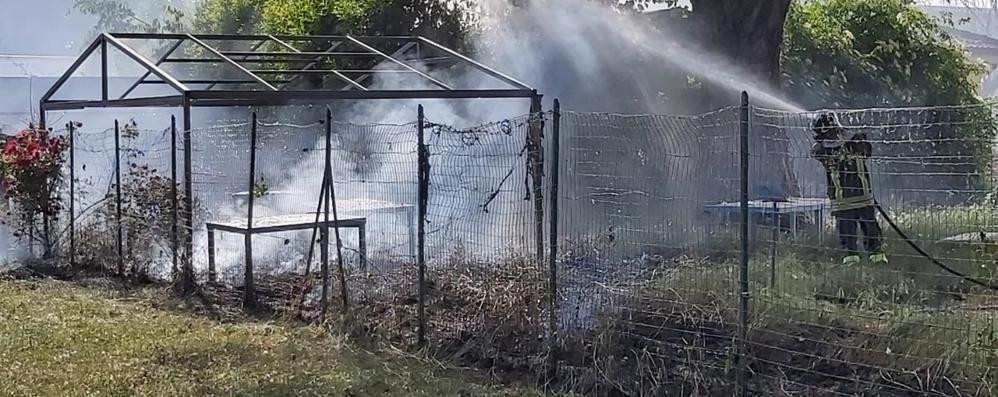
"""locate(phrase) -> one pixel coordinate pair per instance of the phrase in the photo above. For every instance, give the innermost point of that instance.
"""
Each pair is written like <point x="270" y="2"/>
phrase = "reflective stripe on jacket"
<point x="847" y="173"/>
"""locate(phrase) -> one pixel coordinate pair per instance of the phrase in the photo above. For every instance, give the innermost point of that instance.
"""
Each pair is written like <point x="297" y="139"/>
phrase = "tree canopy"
<point x="439" y="20"/>
<point x="860" y="53"/>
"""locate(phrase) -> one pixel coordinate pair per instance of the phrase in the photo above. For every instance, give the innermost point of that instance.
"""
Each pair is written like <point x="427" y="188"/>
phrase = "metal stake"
<point x="249" y="299"/>
<point x="423" y="180"/>
<point x="324" y="230"/>
<point x="743" y="274"/>
<point x="553" y="255"/>
<point x="117" y="196"/>
<point x="174" y="240"/>
<point x="72" y="195"/>
<point x="331" y="190"/>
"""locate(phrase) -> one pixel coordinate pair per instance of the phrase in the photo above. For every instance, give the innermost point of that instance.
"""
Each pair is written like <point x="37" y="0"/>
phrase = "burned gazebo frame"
<point x="256" y="65"/>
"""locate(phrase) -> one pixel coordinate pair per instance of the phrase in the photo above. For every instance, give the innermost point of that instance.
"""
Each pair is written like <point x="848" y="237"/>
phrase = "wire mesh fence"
<point x="696" y="255"/>
<point x="121" y="197"/>
<point x="486" y="289"/>
<point x="907" y="326"/>
<point x="635" y="230"/>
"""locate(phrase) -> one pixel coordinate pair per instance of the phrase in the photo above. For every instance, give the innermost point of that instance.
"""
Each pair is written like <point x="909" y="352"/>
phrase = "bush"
<point x="31" y="168"/>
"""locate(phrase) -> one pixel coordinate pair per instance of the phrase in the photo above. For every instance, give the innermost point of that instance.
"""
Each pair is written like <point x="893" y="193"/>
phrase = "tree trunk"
<point x="749" y="34"/>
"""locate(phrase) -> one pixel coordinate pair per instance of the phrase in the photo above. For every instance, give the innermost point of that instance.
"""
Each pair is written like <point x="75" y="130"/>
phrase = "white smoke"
<point x="587" y="54"/>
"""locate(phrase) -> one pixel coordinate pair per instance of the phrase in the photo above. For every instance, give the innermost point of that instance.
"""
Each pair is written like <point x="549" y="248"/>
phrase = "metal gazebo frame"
<point x="256" y="84"/>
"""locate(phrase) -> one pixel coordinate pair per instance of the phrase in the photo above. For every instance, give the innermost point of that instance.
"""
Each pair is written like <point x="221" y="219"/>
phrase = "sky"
<point x="41" y="27"/>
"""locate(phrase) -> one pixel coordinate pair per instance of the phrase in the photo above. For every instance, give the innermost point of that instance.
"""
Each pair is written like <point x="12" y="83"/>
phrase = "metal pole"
<point x="175" y="218"/>
<point x="331" y="189"/>
<point x="103" y="70"/>
<point x="312" y="241"/>
<point x="553" y="255"/>
<point x="536" y="161"/>
<point x="187" y="283"/>
<point x="249" y="297"/>
<point x="41" y="114"/>
<point x="324" y="230"/>
<point x="117" y="197"/>
<point x="423" y="180"/>
<point x="72" y="195"/>
<point x="212" y="274"/>
<point x="537" y="172"/>
<point x="743" y="274"/>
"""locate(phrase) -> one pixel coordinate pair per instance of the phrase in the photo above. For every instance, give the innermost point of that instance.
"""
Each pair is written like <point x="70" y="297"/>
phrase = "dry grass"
<point x="484" y="315"/>
<point x="60" y="339"/>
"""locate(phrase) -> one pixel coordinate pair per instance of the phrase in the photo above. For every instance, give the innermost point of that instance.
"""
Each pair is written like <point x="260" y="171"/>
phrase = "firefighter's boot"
<point x="878" y="258"/>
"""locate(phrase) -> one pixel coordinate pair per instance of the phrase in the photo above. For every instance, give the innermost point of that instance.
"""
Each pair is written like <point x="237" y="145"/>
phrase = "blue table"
<point x="815" y="207"/>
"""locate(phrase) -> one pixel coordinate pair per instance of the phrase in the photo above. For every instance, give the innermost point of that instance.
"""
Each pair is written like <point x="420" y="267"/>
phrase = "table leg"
<point x="211" y="256"/>
<point x="412" y="231"/>
<point x="821" y="225"/>
<point x="775" y="238"/>
<point x="362" y="245"/>
<point x="793" y="224"/>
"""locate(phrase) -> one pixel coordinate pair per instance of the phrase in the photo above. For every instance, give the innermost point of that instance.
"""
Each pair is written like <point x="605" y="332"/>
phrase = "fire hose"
<point x="927" y="255"/>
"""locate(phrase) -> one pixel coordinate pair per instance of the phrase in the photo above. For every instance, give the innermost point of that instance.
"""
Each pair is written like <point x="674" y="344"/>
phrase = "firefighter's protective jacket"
<point x="846" y="171"/>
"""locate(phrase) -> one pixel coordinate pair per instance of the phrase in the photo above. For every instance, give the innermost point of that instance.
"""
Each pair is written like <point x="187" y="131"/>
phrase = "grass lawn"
<point x="61" y="339"/>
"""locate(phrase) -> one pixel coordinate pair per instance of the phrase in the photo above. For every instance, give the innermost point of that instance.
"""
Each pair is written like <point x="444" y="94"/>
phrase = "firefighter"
<point x="844" y="154"/>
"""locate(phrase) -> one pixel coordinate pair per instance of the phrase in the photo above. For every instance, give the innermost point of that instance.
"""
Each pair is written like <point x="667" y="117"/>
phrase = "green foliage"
<point x="862" y="53"/>
<point x="118" y="16"/>
<point x="316" y="16"/>
<point x="438" y="19"/>
<point x="260" y="188"/>
<point x="228" y="16"/>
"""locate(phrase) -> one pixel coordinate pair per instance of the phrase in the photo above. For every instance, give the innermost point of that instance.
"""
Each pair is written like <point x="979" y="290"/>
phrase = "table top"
<point x="793" y="204"/>
<point x="279" y="223"/>
<point x="347" y="205"/>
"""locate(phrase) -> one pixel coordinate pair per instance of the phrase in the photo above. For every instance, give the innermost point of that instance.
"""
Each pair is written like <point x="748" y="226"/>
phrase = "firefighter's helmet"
<point x="827" y="122"/>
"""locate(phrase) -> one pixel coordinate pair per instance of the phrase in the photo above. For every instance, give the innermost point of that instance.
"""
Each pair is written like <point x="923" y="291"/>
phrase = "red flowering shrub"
<point x="31" y="167"/>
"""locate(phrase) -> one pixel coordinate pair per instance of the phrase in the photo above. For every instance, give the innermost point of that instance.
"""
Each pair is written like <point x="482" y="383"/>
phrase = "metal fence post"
<point x="249" y="297"/>
<point x="72" y="194"/>
<point x="743" y="271"/>
<point x="534" y="138"/>
<point x="187" y="263"/>
<point x="553" y="254"/>
<point x="117" y="197"/>
<point x="423" y="180"/>
<point x="174" y="241"/>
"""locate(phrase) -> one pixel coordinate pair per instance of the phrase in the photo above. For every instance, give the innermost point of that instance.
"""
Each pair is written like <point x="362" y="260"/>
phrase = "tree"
<point x="439" y="20"/>
<point x="748" y="33"/>
<point x="118" y="16"/>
